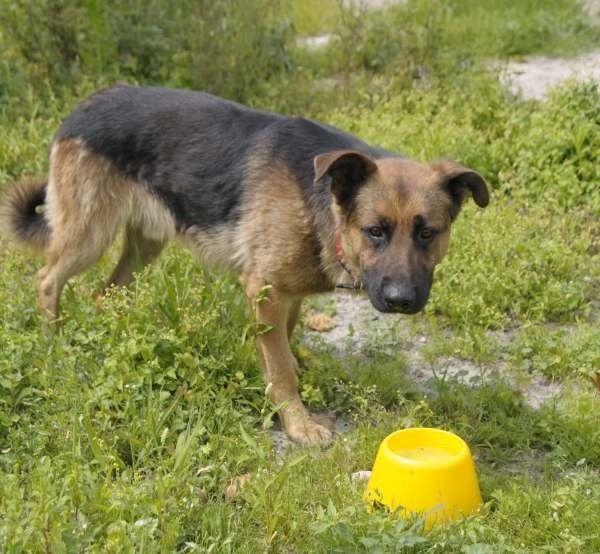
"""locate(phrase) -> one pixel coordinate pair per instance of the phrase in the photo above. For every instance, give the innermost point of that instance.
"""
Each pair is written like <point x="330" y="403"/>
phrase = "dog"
<point x="294" y="206"/>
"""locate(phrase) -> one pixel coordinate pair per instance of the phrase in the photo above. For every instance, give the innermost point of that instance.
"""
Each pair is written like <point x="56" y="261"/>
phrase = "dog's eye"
<point x="426" y="233"/>
<point x="375" y="232"/>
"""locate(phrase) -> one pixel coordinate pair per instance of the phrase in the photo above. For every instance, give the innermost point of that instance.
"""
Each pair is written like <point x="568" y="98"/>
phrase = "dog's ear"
<point x="458" y="181"/>
<point x="345" y="171"/>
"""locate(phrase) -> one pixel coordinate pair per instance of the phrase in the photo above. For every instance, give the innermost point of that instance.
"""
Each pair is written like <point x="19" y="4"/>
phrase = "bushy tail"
<point x="22" y="213"/>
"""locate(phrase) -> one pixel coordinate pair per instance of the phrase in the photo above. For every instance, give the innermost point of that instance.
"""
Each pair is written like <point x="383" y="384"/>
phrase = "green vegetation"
<point x="122" y="432"/>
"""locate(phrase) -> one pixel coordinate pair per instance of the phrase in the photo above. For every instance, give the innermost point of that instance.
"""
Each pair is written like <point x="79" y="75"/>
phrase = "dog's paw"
<point x="304" y="430"/>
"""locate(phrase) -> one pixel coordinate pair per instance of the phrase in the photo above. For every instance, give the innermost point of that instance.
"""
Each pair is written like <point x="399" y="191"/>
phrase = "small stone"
<point x="360" y="476"/>
<point x="235" y="486"/>
<point x="319" y="322"/>
<point x="205" y="469"/>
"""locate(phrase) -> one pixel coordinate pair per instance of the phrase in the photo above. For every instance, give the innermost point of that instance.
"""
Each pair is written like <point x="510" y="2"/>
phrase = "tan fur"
<point x="398" y="191"/>
<point x="281" y="251"/>
<point x="88" y="202"/>
<point x="138" y="251"/>
<point x="221" y="246"/>
<point x="278" y="237"/>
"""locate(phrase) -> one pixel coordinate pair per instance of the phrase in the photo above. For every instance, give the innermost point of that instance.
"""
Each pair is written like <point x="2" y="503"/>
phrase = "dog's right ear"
<point x="345" y="171"/>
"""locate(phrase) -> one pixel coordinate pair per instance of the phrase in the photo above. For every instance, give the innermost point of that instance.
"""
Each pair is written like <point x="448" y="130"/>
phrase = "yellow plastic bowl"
<point x="427" y="472"/>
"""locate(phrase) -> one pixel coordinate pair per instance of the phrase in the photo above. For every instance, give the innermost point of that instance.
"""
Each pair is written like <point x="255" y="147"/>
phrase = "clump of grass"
<point x="316" y="17"/>
<point x="227" y="48"/>
<point x="427" y="38"/>
<point x="559" y="352"/>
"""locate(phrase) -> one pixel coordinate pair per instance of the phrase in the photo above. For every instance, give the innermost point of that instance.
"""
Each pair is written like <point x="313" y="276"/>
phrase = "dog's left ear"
<point x="458" y="181"/>
<point x="347" y="171"/>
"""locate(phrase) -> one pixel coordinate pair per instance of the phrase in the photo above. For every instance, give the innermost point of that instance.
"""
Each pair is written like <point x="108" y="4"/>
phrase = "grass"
<point x="312" y="17"/>
<point x="122" y="432"/>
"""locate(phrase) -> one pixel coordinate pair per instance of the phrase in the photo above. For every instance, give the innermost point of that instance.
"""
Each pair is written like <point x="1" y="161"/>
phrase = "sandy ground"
<point x="359" y="326"/>
<point x="536" y="76"/>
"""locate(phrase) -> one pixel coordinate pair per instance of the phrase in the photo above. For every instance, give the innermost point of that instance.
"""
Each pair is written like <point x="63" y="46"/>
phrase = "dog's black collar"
<point x="354" y="285"/>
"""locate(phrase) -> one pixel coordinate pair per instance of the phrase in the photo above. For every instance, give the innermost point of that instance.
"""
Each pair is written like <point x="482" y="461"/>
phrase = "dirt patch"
<point x="592" y="8"/>
<point x="360" y="328"/>
<point x="534" y="78"/>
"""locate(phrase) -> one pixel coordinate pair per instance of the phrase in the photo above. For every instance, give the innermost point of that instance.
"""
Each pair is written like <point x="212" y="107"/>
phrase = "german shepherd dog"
<point x="294" y="206"/>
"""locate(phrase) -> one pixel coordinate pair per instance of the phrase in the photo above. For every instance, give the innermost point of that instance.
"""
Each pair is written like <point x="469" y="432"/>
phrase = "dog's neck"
<point x="347" y="280"/>
<point x="336" y="266"/>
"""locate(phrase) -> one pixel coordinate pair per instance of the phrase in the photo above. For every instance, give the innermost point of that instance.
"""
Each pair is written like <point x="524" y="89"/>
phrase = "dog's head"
<point x="394" y="217"/>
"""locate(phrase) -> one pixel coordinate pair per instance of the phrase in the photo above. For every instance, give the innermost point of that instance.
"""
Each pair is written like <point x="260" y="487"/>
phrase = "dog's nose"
<point x="399" y="298"/>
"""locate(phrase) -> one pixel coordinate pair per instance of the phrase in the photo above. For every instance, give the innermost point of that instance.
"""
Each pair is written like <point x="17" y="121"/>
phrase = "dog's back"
<point x="190" y="148"/>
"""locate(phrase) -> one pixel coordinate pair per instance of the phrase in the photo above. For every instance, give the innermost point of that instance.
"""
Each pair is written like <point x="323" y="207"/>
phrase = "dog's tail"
<point x="22" y="213"/>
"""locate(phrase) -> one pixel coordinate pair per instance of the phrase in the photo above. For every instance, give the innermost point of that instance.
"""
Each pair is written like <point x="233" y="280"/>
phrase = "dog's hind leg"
<point x="138" y="252"/>
<point x="280" y="366"/>
<point x="69" y="253"/>
<point x="87" y="201"/>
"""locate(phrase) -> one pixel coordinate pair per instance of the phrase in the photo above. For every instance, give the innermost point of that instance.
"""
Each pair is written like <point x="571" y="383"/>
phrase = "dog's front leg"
<point x="273" y="310"/>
